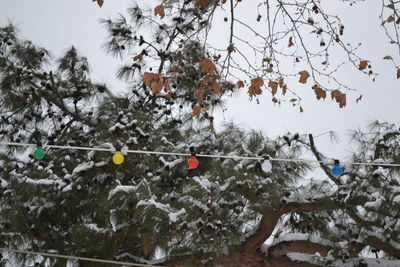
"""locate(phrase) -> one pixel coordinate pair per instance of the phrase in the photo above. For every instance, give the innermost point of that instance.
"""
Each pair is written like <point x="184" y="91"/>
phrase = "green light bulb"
<point x="38" y="153"/>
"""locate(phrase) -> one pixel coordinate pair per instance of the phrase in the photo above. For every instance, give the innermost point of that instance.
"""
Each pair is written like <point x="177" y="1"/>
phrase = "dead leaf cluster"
<point x="156" y="82"/>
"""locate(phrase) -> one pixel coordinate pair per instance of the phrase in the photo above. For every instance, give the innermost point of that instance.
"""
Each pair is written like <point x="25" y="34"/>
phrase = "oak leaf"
<point x="273" y="86"/>
<point x="319" y="92"/>
<point x="240" y="84"/>
<point x="304" y="76"/>
<point x="363" y="64"/>
<point x="159" y="10"/>
<point x="154" y="81"/>
<point x="255" y="87"/>
<point x="207" y="66"/>
<point x="196" y="110"/>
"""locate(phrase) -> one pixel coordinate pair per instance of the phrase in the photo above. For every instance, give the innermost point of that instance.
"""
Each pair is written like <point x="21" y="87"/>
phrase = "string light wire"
<point x="146" y="152"/>
<point x="53" y="255"/>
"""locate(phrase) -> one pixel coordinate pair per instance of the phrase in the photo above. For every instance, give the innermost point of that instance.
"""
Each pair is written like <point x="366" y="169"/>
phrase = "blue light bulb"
<point x="336" y="169"/>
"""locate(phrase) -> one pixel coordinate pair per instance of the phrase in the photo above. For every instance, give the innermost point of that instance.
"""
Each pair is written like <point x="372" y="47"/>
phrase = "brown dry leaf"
<point x="196" y="111"/>
<point x="240" y="84"/>
<point x="301" y="109"/>
<point x="275" y="100"/>
<point x="167" y="85"/>
<point x="388" y="57"/>
<point x="319" y="92"/>
<point x="390" y="19"/>
<point x="99" y="2"/>
<point x="273" y="86"/>
<point x="398" y="73"/>
<point x="281" y="82"/>
<point x="138" y="58"/>
<point x="207" y="66"/>
<point x="223" y="1"/>
<point x="154" y="81"/>
<point x="202" y="3"/>
<point x="216" y="87"/>
<point x="198" y="94"/>
<point x="231" y="48"/>
<point x="168" y="95"/>
<point x="363" y="64"/>
<point x="159" y="10"/>
<point x="304" y="76"/>
<point x="255" y="87"/>
<point x="339" y="97"/>
<point x="293" y="100"/>
<point x="284" y="89"/>
<point x="291" y="41"/>
<point x="358" y="99"/>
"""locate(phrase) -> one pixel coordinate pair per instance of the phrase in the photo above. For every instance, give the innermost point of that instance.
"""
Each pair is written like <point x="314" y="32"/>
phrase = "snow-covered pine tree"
<point x="79" y="203"/>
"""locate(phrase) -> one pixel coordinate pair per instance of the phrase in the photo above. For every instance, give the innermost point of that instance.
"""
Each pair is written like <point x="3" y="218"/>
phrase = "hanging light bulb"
<point x="192" y="163"/>
<point x="38" y="153"/>
<point x="266" y="165"/>
<point x="118" y="158"/>
<point x="336" y="169"/>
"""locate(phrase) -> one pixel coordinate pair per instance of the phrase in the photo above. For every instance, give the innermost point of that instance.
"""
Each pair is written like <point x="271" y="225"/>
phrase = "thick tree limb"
<point x="378" y="243"/>
<point x="267" y="226"/>
<point x="281" y="249"/>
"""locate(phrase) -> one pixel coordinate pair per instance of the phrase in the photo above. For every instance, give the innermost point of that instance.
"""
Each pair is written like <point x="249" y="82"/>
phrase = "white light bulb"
<point x="266" y="165"/>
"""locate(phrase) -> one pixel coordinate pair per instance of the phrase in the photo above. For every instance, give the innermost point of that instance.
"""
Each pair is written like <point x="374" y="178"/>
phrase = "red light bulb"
<point x="193" y="162"/>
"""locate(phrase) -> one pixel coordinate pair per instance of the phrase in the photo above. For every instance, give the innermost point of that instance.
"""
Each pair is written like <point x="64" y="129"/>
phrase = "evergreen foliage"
<point x="80" y="203"/>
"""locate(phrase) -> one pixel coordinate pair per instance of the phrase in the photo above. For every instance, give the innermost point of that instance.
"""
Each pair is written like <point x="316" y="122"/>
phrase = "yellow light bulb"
<point x="118" y="158"/>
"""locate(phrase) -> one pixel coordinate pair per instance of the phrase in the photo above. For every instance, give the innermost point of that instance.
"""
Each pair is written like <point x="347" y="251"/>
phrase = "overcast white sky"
<point x="57" y="24"/>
